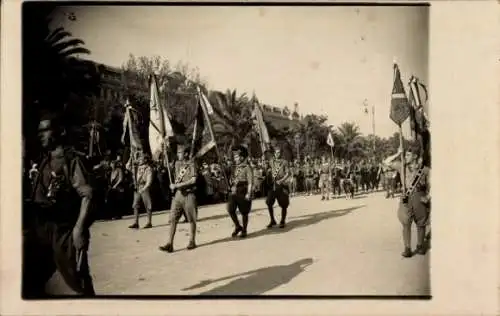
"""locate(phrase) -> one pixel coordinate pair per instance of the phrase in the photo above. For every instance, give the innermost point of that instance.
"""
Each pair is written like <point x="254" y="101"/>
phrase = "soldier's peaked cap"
<point x="242" y="150"/>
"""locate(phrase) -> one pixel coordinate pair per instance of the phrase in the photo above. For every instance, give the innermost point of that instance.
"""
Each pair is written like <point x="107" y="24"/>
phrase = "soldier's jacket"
<point x="423" y="184"/>
<point x="242" y="173"/>
<point x="183" y="171"/>
<point x="309" y="170"/>
<point x="143" y="176"/>
<point x="325" y="168"/>
<point x="279" y="169"/>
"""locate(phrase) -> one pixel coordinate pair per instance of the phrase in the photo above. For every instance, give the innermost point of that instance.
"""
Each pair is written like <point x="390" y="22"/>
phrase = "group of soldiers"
<point x="58" y="199"/>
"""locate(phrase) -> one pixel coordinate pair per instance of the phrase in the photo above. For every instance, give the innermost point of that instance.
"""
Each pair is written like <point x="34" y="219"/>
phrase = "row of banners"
<point x="160" y="128"/>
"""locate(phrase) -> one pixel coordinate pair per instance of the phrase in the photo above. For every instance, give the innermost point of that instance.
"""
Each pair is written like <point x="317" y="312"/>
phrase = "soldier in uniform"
<point x="415" y="206"/>
<point x="325" y="174"/>
<point x="142" y="181"/>
<point x="56" y="222"/>
<point x="279" y="174"/>
<point x="241" y="191"/>
<point x="309" y="176"/>
<point x="184" y="185"/>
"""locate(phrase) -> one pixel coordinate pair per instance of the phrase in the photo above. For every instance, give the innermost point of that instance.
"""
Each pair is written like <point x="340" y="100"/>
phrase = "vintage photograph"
<point x="225" y="150"/>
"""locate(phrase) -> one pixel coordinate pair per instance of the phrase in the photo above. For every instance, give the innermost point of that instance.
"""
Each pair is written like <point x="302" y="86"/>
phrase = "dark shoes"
<point x="243" y="234"/>
<point x="282" y="225"/>
<point x="167" y="248"/>
<point x="134" y="226"/>
<point x="420" y="250"/>
<point x="236" y="231"/>
<point x="271" y="224"/>
<point x="148" y="225"/>
<point x="191" y="245"/>
<point x="407" y="253"/>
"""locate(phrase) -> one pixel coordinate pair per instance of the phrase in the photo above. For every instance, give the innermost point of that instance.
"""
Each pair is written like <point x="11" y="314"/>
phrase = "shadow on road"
<point x="294" y="223"/>
<point x="255" y="282"/>
<point x="211" y="218"/>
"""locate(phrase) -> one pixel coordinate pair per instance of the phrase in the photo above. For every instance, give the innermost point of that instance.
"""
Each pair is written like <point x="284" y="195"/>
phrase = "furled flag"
<point x="203" y="135"/>
<point x="329" y="140"/>
<point x="260" y="125"/>
<point x="160" y="127"/>
<point x="400" y="108"/>
<point x="417" y="97"/>
<point x="131" y="126"/>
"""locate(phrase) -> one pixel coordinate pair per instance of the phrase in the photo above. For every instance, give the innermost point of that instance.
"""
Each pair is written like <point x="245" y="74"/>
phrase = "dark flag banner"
<point x="260" y="125"/>
<point x="400" y="107"/>
<point x="203" y="135"/>
<point x="417" y="97"/>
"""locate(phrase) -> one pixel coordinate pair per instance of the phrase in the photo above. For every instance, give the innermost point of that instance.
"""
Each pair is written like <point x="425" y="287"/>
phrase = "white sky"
<point x="328" y="59"/>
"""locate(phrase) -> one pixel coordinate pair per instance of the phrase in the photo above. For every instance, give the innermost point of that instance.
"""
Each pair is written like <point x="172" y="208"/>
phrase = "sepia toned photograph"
<point x="226" y="151"/>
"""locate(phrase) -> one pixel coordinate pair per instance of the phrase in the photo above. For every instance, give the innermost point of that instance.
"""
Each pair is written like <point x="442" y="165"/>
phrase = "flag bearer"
<point x="184" y="199"/>
<point x="241" y="191"/>
<point x="278" y="190"/>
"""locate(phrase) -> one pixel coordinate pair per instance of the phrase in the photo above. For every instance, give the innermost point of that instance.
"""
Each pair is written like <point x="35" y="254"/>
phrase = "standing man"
<point x="57" y="232"/>
<point x="415" y="205"/>
<point x="325" y="175"/>
<point x="142" y="181"/>
<point x="184" y="200"/>
<point x="241" y="191"/>
<point x="280" y="172"/>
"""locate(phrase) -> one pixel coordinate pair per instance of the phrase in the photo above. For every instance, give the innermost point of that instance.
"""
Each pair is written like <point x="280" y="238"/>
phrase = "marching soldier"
<point x="142" y="181"/>
<point x="325" y="174"/>
<point x="279" y="172"/>
<point x="309" y="176"/>
<point x="241" y="191"/>
<point x="184" y="185"/>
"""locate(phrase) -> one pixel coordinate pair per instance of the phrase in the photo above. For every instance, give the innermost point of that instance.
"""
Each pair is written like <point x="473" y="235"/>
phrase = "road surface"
<point x="336" y="247"/>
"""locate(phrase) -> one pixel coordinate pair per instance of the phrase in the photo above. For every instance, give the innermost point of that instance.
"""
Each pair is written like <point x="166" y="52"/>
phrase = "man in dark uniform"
<point x="184" y="185"/>
<point x="57" y="234"/>
<point x="240" y="196"/>
<point x="279" y="174"/>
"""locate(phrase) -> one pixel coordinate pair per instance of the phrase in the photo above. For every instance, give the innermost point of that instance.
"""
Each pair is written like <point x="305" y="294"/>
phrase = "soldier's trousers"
<point x="47" y="248"/>
<point x="183" y="202"/>
<point x="280" y="194"/>
<point x="324" y="182"/>
<point x="238" y="202"/>
<point x="145" y="197"/>
<point x="414" y="211"/>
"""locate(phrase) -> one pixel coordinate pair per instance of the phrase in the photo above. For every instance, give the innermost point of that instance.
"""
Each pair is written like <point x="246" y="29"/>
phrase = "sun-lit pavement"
<point x="337" y="247"/>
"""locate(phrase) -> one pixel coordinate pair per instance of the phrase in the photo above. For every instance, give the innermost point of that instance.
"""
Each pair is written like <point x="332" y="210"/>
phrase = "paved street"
<point x="337" y="247"/>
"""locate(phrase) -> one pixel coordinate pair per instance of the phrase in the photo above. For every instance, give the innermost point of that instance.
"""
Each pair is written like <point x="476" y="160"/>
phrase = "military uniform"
<point x="258" y="177"/>
<point x="309" y="177"/>
<point x="279" y="191"/>
<point x="241" y="185"/>
<point x="142" y="181"/>
<point x="325" y="173"/>
<point x="48" y="243"/>
<point x="416" y="209"/>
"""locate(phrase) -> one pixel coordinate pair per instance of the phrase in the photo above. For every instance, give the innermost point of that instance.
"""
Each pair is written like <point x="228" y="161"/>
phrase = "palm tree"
<point x="54" y="79"/>
<point x="233" y="118"/>
<point x="350" y="140"/>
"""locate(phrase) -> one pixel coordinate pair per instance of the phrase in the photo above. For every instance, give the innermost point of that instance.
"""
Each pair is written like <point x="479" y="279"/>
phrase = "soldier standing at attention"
<point x="184" y="197"/>
<point x="241" y="191"/>
<point x="280" y="172"/>
<point x="143" y="180"/>
<point x="325" y="174"/>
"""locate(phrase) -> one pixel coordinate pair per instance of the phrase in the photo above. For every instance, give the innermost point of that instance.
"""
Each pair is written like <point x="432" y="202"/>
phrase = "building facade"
<point x="112" y="91"/>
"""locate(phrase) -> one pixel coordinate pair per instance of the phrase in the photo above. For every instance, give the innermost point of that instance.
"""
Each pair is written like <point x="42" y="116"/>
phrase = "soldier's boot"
<point x="245" y="225"/>
<point x="167" y="248"/>
<point x="407" y="241"/>
<point x="272" y="223"/>
<point x="150" y="220"/>
<point x="420" y="241"/>
<point x="283" y="217"/>
<point x="135" y="225"/>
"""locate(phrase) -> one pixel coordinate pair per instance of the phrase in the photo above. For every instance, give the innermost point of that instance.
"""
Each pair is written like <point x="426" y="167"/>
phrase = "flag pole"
<point x="205" y="114"/>
<point x="403" y="162"/>
<point x="165" y="140"/>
